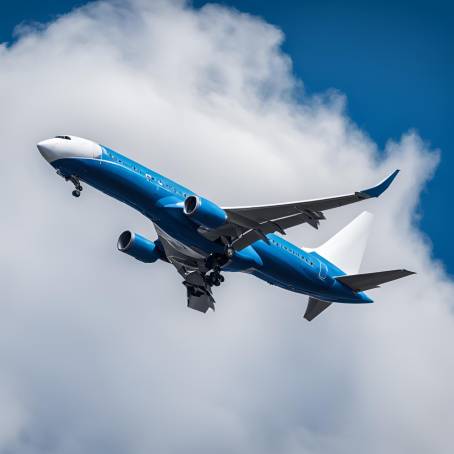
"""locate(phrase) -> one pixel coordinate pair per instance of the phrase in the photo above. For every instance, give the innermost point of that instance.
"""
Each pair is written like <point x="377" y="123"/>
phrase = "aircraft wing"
<point x="249" y="224"/>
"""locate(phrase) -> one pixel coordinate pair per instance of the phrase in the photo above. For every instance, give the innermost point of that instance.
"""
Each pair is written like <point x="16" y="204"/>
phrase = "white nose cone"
<point x="49" y="149"/>
<point x="68" y="147"/>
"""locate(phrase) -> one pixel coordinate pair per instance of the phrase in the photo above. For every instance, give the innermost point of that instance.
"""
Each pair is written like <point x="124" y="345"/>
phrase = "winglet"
<point x="376" y="191"/>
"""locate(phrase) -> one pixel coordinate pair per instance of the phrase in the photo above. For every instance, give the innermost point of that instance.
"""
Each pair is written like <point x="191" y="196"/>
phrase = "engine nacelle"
<point x="138" y="247"/>
<point x="203" y="212"/>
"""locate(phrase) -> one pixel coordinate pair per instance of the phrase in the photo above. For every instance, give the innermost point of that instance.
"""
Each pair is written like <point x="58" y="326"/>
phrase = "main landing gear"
<point x="214" y="262"/>
<point x="77" y="186"/>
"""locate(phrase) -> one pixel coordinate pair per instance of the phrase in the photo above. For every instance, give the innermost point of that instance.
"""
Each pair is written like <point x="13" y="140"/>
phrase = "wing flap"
<point x="199" y="298"/>
<point x="367" y="281"/>
<point x="277" y="225"/>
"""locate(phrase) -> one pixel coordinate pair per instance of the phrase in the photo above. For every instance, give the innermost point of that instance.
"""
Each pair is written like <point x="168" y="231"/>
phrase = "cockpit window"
<point x="63" y="137"/>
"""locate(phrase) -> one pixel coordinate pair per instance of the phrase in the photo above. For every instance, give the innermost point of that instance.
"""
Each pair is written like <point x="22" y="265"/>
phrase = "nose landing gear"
<point x="76" y="182"/>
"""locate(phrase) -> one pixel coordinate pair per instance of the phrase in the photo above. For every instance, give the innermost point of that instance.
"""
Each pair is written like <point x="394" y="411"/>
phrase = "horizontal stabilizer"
<point x="315" y="307"/>
<point x="367" y="281"/>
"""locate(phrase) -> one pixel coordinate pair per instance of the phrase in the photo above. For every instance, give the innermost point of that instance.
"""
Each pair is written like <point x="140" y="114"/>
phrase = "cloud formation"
<point x="99" y="353"/>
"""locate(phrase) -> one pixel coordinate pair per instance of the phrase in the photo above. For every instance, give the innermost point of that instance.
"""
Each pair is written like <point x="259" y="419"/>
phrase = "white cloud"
<point x="99" y="353"/>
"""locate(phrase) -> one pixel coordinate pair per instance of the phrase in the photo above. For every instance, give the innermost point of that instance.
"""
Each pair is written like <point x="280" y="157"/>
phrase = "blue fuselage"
<point x="161" y="200"/>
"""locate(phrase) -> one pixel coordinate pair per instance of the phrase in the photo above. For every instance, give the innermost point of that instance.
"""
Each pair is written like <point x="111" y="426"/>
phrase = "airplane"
<point x="202" y="239"/>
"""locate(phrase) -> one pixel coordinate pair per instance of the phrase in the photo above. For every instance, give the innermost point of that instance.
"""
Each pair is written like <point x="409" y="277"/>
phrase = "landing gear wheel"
<point x="214" y="279"/>
<point x="77" y="186"/>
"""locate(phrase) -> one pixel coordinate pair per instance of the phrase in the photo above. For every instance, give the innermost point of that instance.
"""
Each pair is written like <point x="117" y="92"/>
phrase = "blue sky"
<point x="394" y="63"/>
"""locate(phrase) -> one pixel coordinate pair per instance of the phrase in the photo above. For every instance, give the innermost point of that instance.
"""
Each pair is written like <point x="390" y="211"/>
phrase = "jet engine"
<point x="204" y="213"/>
<point x="139" y="247"/>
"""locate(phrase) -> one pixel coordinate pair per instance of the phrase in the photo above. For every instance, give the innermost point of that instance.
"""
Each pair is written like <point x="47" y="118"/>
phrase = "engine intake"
<point x="204" y="213"/>
<point x="138" y="247"/>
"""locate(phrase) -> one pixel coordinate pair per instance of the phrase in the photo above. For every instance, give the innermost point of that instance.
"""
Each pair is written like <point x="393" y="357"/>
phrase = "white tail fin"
<point x="346" y="248"/>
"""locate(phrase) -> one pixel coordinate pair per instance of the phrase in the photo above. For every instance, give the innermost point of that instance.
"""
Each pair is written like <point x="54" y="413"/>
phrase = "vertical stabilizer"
<point x="346" y="248"/>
